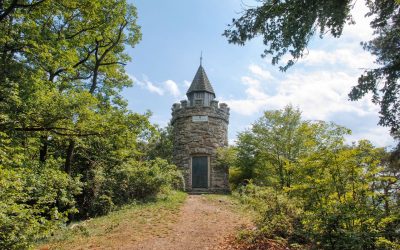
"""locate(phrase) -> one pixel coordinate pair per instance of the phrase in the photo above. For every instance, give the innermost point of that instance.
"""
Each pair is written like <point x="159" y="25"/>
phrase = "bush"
<point x="136" y="180"/>
<point x="34" y="202"/>
<point x="331" y="225"/>
<point x="107" y="188"/>
<point x="279" y="216"/>
<point x="172" y="177"/>
<point x="102" y="205"/>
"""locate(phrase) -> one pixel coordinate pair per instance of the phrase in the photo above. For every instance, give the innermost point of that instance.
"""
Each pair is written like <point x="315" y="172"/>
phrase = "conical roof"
<point x="200" y="82"/>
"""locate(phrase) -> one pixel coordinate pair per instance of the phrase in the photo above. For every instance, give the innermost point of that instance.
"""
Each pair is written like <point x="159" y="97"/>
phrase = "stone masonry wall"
<point x="200" y="139"/>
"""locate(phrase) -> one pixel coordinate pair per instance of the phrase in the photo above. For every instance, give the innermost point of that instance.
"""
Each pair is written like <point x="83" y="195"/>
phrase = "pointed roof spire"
<point x="201" y="57"/>
<point x="200" y="81"/>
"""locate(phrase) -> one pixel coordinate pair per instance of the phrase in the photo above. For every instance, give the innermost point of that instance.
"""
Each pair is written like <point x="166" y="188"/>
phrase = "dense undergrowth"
<point x="35" y="202"/>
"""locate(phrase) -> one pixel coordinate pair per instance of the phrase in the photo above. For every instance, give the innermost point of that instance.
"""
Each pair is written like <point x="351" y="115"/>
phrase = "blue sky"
<point x="175" y="32"/>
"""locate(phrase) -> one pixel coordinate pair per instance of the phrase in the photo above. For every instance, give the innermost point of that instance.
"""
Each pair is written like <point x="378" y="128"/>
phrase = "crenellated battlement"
<point x="216" y="110"/>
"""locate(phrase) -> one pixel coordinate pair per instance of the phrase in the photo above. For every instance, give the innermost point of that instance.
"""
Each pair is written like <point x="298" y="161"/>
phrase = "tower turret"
<point x="200" y="91"/>
<point x="200" y="127"/>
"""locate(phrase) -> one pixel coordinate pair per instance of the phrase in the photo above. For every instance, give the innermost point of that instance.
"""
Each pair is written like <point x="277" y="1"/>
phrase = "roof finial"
<point x="201" y="57"/>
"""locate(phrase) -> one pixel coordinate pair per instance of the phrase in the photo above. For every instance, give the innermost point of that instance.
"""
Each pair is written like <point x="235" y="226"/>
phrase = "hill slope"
<point x="175" y="222"/>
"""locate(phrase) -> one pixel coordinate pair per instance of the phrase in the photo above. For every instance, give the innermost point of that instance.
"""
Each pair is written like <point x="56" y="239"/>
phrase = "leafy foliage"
<point x="138" y="180"/>
<point x="383" y="82"/>
<point x="132" y="181"/>
<point x="34" y="201"/>
<point x="68" y="143"/>
<point x="161" y="144"/>
<point x="280" y="217"/>
<point x="310" y="188"/>
<point x="288" y="26"/>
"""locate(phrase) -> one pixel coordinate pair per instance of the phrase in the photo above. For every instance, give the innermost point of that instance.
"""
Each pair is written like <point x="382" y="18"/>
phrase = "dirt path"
<point x="180" y="222"/>
<point x="202" y="224"/>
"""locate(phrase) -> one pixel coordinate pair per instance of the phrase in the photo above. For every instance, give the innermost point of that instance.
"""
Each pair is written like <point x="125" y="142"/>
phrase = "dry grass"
<point x="128" y="225"/>
<point x="233" y="204"/>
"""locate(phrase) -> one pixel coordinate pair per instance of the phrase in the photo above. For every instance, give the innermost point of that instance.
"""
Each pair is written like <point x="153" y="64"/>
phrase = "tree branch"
<point x="111" y="63"/>
<point x="15" y="5"/>
<point x="56" y="131"/>
<point x="106" y="51"/>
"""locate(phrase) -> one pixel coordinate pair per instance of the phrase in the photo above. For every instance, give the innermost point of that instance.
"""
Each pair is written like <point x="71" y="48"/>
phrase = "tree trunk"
<point x="43" y="148"/>
<point x="68" y="159"/>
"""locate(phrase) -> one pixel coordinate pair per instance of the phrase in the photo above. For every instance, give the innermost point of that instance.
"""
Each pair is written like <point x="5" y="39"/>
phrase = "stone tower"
<point x="200" y="127"/>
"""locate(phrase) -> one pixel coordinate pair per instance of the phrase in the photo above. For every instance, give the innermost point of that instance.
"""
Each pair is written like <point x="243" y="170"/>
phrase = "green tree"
<point x="246" y="161"/>
<point x="280" y="137"/>
<point x="326" y="194"/>
<point x="66" y="136"/>
<point x="35" y="200"/>
<point x="383" y="82"/>
<point x="72" y="48"/>
<point x="278" y="143"/>
<point x="287" y="27"/>
<point x="160" y="146"/>
<point x="7" y="7"/>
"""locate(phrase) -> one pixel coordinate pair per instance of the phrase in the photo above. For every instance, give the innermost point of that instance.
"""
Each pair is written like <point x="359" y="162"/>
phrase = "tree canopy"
<point x="287" y="27"/>
<point x="69" y="147"/>
<point x="312" y="189"/>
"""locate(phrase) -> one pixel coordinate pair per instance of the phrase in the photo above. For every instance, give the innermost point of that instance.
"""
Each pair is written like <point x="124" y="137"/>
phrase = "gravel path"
<point x="202" y="224"/>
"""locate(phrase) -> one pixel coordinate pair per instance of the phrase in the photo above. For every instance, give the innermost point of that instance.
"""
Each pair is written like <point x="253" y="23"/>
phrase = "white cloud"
<point x="168" y="86"/>
<point x="172" y="88"/>
<point x="232" y="142"/>
<point x="134" y="79"/>
<point x="345" y="50"/>
<point x="146" y="84"/>
<point x="361" y="30"/>
<point x="318" y="94"/>
<point x="245" y="106"/>
<point x="380" y="136"/>
<point x="320" y="84"/>
<point x="153" y="88"/>
<point x="260" y="72"/>
<point x="320" y="89"/>
<point x="186" y="83"/>
<point x="349" y="56"/>
<point x="247" y="80"/>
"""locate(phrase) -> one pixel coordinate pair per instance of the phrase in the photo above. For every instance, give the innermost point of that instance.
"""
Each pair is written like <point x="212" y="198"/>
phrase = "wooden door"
<point x="200" y="172"/>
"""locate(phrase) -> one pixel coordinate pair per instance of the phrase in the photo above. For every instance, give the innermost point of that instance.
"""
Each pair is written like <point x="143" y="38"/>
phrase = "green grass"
<point x="131" y="223"/>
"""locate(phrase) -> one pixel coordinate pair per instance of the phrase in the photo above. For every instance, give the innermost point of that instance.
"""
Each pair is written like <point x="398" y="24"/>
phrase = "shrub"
<point x="172" y="177"/>
<point x="279" y="216"/>
<point x="331" y="225"/>
<point x="102" y="205"/>
<point x="34" y="202"/>
<point x="136" y="180"/>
